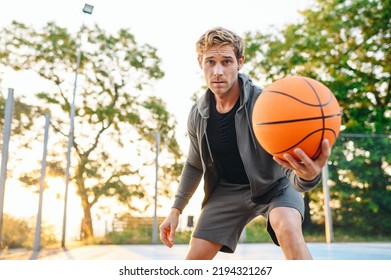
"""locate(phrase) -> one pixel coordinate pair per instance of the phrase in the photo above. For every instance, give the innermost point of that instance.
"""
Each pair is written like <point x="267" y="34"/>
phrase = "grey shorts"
<point x="230" y="209"/>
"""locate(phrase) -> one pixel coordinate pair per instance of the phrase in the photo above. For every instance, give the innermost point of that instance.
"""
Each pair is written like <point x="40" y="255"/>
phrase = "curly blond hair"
<point x="220" y="36"/>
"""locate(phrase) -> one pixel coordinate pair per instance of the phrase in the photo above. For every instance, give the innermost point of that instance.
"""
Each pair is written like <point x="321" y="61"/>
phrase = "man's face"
<point x="220" y="68"/>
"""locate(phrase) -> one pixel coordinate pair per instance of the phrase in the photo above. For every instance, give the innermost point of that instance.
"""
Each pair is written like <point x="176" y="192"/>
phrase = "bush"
<point x="17" y="233"/>
<point x="256" y="231"/>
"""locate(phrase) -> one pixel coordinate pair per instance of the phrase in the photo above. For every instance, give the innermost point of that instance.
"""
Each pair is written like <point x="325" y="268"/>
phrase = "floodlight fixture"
<point x="88" y="9"/>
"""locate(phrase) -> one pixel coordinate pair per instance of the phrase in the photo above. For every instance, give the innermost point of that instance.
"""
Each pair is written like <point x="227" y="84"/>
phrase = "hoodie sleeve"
<point x="299" y="184"/>
<point x="190" y="179"/>
<point x="192" y="171"/>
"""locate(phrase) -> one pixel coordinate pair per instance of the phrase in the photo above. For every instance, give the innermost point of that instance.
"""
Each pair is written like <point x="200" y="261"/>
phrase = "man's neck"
<point x="225" y="103"/>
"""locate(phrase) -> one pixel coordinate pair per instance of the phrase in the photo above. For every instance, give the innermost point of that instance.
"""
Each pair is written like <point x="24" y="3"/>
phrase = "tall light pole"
<point x="86" y="10"/>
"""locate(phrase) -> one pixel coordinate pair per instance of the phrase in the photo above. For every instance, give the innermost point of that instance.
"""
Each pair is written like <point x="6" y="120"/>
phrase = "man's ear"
<point x="199" y="61"/>
<point x="240" y="62"/>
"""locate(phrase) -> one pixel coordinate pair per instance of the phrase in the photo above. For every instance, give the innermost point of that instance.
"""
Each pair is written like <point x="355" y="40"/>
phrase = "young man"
<point x="241" y="180"/>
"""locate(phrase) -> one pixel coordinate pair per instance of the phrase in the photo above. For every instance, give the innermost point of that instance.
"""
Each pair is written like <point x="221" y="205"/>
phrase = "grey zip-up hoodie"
<point x="267" y="178"/>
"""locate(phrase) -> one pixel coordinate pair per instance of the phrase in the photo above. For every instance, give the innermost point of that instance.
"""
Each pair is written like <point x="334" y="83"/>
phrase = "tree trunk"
<point x="86" y="230"/>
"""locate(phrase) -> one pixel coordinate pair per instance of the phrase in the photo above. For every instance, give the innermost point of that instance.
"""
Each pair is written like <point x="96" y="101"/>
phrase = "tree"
<point x="115" y="117"/>
<point x="22" y="116"/>
<point x="345" y="45"/>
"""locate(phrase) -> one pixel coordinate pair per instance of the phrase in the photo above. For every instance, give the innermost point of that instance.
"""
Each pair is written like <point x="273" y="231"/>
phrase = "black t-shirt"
<point x="222" y="139"/>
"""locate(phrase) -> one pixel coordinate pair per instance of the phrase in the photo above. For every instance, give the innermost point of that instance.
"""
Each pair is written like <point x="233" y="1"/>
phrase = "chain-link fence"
<point x="360" y="204"/>
<point x="127" y="229"/>
<point x="359" y="181"/>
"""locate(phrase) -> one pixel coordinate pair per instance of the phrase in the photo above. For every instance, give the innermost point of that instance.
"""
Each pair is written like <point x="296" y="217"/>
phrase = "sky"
<point x="171" y="26"/>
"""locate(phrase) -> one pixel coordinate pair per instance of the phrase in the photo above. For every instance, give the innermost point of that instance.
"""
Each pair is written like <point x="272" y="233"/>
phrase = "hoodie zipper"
<point x="207" y="144"/>
<point x="250" y="128"/>
<point x="248" y="118"/>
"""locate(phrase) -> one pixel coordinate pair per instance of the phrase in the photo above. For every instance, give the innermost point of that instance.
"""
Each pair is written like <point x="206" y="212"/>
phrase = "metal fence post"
<point x="4" y="159"/>
<point x="155" y="225"/>
<point x="37" y="241"/>
<point x="326" y="206"/>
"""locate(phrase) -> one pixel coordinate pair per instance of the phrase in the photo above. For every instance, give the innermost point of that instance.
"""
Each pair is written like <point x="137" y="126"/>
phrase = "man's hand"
<point x="307" y="168"/>
<point x="168" y="228"/>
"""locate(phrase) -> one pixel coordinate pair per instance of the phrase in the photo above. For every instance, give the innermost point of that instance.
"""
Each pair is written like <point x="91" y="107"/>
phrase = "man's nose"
<point x="218" y="70"/>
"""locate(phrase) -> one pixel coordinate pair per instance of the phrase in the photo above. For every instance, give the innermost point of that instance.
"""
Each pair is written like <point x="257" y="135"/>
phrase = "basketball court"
<point x="259" y="251"/>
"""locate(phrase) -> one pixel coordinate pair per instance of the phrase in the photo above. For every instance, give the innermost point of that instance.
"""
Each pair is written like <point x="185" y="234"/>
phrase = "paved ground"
<point x="320" y="251"/>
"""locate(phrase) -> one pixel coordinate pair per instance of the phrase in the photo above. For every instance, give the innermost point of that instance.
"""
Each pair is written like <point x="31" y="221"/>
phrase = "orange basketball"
<point x="296" y="112"/>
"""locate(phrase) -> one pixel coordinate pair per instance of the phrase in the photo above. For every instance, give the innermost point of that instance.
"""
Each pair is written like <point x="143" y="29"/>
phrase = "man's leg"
<point x="286" y="223"/>
<point x="201" y="249"/>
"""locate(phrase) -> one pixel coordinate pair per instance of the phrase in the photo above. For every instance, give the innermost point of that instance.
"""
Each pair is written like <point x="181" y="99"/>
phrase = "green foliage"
<point x="346" y="45"/>
<point x="131" y="236"/>
<point x="183" y="237"/>
<point x="142" y="236"/>
<point x="23" y="115"/>
<point x="128" y="229"/>
<point x="362" y="184"/>
<point x="256" y="231"/>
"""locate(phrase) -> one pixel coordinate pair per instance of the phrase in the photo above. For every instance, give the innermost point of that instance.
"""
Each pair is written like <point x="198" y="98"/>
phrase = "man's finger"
<point x="171" y="238"/>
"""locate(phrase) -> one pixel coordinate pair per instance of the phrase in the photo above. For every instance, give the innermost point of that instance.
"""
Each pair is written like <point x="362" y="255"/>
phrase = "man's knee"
<point x="201" y="249"/>
<point x="286" y="221"/>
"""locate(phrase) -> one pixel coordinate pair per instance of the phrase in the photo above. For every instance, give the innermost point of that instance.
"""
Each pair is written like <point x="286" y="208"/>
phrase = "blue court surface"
<point x="259" y="251"/>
